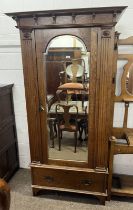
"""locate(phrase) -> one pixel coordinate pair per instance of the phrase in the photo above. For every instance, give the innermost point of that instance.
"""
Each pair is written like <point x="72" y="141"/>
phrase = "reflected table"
<point x="81" y="109"/>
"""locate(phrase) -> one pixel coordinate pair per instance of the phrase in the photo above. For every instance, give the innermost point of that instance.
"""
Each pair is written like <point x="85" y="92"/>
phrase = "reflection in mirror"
<point x="120" y="70"/>
<point x="129" y="80"/>
<point x="67" y="84"/>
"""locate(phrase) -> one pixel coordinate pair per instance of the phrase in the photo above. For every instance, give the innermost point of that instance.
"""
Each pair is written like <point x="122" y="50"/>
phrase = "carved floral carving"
<point x="26" y="34"/>
<point x="106" y="34"/>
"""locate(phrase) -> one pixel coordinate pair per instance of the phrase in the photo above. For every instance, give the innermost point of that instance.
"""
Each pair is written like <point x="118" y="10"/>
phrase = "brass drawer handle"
<point x="87" y="182"/>
<point x="49" y="178"/>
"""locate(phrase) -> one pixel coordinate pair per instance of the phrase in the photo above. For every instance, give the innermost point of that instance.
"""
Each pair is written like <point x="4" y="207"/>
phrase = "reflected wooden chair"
<point x="69" y="79"/>
<point x="52" y="122"/>
<point x="74" y="71"/>
<point x="66" y="123"/>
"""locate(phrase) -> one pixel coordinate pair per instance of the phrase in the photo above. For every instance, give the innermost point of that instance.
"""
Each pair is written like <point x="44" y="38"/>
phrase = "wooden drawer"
<point x="69" y="178"/>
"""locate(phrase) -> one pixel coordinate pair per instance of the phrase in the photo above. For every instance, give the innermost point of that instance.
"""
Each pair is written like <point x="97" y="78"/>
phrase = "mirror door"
<point x="64" y="77"/>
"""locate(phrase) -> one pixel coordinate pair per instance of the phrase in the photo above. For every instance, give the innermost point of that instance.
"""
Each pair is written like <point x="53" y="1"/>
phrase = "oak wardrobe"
<point x="69" y="64"/>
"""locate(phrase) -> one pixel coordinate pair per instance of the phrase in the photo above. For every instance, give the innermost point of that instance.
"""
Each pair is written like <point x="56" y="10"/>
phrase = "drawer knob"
<point x="86" y="182"/>
<point x="41" y="108"/>
<point x="49" y="178"/>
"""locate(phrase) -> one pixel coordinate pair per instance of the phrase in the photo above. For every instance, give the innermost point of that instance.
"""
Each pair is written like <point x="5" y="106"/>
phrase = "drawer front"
<point x="70" y="179"/>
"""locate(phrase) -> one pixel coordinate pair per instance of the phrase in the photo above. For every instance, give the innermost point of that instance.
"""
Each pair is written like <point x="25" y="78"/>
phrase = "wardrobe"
<point x="85" y="171"/>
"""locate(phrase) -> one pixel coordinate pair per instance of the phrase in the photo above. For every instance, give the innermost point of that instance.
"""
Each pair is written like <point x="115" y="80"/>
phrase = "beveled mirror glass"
<point x="67" y="88"/>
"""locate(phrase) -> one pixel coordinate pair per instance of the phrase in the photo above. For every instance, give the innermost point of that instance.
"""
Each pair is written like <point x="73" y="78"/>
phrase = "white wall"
<point x="11" y="64"/>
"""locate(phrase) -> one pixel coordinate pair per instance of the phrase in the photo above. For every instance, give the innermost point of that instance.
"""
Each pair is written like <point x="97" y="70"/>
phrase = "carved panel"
<point x="26" y="34"/>
<point x="106" y="33"/>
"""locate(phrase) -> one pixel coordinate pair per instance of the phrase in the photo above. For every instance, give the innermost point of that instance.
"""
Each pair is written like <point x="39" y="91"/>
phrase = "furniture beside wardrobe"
<point x="95" y="27"/>
<point x="122" y="140"/>
<point x="9" y="161"/>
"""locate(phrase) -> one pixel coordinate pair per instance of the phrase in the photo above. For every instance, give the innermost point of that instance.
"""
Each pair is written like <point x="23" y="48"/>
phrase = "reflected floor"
<point x="67" y="149"/>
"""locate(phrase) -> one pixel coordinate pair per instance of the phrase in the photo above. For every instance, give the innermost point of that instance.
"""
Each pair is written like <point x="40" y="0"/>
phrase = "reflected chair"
<point x="73" y="89"/>
<point x="75" y="72"/>
<point x="52" y="122"/>
<point x="66" y="123"/>
<point x="73" y="80"/>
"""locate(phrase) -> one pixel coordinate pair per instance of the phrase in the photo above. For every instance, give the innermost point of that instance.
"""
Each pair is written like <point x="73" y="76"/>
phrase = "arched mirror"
<point x="120" y="70"/>
<point x="67" y="97"/>
<point x="129" y="80"/>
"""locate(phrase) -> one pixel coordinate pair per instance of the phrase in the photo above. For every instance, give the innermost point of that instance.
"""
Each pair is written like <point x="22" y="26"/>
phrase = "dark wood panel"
<point x="53" y="82"/>
<point x="9" y="160"/>
<point x="7" y="138"/>
<point x="5" y="111"/>
<point x="3" y="165"/>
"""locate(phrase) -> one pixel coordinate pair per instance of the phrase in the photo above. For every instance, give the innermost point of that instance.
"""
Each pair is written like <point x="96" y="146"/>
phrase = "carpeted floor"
<point x="22" y="199"/>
